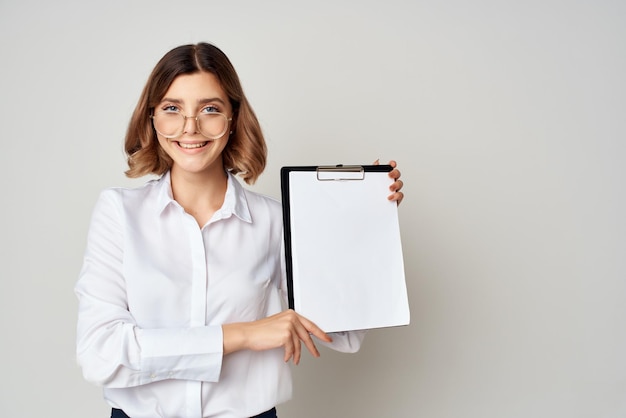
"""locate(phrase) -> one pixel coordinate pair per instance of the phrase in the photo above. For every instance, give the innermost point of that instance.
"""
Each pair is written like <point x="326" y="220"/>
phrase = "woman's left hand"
<point x="396" y="195"/>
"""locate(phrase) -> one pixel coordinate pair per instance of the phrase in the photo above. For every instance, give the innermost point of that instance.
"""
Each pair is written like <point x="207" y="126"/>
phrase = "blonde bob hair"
<point x="245" y="153"/>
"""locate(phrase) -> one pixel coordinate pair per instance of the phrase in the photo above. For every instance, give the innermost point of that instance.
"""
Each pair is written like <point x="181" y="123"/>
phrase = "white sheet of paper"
<point x="348" y="269"/>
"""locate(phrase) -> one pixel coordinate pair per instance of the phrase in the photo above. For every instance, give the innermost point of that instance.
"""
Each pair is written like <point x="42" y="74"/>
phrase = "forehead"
<point x="196" y="86"/>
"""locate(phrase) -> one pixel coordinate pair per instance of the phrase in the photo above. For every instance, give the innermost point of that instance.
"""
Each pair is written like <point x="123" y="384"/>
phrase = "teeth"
<point x="192" y="146"/>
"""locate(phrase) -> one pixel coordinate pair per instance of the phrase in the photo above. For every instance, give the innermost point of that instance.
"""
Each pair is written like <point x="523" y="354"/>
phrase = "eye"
<point x="210" y="109"/>
<point x="170" y="108"/>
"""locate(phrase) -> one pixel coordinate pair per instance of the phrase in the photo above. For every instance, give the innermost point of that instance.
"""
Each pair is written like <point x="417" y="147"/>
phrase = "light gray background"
<point x="507" y="119"/>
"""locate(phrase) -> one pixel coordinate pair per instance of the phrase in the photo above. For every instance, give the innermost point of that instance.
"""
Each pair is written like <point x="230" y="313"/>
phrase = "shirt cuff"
<point x="188" y="353"/>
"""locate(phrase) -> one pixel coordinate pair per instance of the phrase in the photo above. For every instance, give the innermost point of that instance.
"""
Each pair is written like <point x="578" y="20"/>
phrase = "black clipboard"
<point x="343" y="252"/>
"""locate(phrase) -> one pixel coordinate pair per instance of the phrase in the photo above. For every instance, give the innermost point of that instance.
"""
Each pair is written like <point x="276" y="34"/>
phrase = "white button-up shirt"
<point x="155" y="290"/>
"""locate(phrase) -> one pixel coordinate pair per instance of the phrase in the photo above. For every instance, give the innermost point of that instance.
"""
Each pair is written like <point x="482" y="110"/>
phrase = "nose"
<point x="191" y="125"/>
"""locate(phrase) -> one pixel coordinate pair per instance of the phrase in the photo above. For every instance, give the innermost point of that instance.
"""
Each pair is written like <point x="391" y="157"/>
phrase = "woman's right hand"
<point x="286" y="329"/>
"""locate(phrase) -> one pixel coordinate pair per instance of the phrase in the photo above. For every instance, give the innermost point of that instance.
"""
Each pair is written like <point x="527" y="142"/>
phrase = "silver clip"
<point x="340" y="172"/>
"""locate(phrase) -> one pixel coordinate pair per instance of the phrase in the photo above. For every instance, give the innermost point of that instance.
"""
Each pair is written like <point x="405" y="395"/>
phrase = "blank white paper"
<point x="348" y="269"/>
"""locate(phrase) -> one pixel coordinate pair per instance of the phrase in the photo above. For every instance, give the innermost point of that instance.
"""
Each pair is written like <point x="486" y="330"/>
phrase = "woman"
<point x="182" y="286"/>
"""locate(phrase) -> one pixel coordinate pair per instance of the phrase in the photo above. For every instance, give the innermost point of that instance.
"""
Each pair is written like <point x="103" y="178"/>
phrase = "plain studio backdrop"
<point x="508" y="120"/>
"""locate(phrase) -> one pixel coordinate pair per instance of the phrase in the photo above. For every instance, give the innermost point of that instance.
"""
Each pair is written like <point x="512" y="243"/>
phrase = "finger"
<point x="310" y="345"/>
<point x="311" y="328"/>
<point x="377" y="162"/>
<point x="393" y="163"/>
<point x="395" y="174"/>
<point x="304" y="336"/>
<point x="397" y="197"/>
<point x="297" y="332"/>
<point x="288" y="350"/>
<point x="308" y="329"/>
<point x="396" y="186"/>
<point x="297" y="354"/>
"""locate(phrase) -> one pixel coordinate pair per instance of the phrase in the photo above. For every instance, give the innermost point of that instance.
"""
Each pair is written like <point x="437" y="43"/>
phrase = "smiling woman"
<point x="182" y="286"/>
<point x="246" y="152"/>
<point x="194" y="143"/>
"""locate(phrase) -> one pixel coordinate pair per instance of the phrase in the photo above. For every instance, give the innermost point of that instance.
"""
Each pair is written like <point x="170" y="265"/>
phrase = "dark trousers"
<point x="118" y="413"/>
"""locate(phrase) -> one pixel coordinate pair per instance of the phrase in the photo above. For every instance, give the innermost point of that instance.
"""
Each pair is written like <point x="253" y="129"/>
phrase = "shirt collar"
<point x="164" y="192"/>
<point x="235" y="202"/>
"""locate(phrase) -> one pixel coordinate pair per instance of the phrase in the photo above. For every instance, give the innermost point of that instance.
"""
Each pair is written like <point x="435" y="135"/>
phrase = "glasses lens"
<point x="169" y="124"/>
<point x="212" y="125"/>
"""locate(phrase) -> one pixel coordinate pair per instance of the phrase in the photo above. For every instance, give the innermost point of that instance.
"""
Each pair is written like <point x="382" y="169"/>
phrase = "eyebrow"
<point x="199" y="101"/>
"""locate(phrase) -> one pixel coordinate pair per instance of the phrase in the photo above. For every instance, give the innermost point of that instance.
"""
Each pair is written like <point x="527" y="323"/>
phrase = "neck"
<point x="200" y="194"/>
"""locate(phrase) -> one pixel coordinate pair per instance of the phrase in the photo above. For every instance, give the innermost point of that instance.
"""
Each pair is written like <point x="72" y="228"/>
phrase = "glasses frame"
<point x="185" y="117"/>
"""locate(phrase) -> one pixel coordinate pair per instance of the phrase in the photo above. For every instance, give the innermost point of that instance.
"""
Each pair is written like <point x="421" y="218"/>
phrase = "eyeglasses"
<point x="172" y="124"/>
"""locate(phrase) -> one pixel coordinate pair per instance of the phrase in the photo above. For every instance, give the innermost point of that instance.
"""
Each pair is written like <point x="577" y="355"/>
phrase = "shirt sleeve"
<point x="111" y="349"/>
<point x="345" y="342"/>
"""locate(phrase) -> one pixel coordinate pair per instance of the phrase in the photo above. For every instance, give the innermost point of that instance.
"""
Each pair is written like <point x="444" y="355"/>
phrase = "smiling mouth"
<point x="192" y="146"/>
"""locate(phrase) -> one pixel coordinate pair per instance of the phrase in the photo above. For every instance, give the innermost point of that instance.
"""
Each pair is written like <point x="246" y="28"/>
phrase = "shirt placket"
<point x="197" y="310"/>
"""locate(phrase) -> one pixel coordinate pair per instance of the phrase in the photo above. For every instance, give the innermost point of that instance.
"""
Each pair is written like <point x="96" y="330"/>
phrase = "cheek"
<point x="165" y="150"/>
<point x="164" y="144"/>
